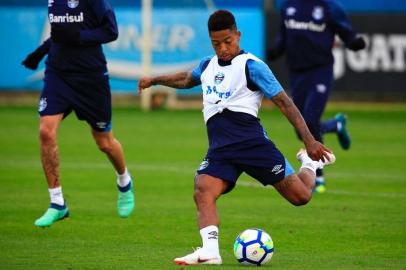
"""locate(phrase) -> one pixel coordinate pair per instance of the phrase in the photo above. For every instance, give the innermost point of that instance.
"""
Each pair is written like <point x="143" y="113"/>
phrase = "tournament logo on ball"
<point x="73" y="3"/>
<point x="218" y="78"/>
<point x="42" y="104"/>
<point x="318" y="13"/>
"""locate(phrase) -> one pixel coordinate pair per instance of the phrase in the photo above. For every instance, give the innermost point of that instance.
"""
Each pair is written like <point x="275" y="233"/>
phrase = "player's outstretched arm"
<point x="180" y="80"/>
<point x="315" y="149"/>
<point x="33" y="59"/>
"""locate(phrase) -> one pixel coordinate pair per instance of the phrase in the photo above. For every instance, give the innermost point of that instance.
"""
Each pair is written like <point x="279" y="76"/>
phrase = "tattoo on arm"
<point x="181" y="80"/>
<point x="291" y="112"/>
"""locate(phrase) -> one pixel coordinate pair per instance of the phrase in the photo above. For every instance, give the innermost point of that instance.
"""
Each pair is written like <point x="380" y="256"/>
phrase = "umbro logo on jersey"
<point x="278" y="169"/>
<point x="50" y="2"/>
<point x="290" y="11"/>
<point x="73" y="3"/>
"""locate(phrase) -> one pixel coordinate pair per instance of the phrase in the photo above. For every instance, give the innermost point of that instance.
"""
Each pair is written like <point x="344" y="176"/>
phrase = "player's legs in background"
<point x="316" y="85"/>
<point x="112" y="148"/>
<point x="207" y="190"/>
<point x="50" y="162"/>
<point x="338" y="125"/>
<point x="114" y="151"/>
<point x="48" y="129"/>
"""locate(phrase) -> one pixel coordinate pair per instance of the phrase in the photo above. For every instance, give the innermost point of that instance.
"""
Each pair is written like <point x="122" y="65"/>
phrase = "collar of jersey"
<point x="227" y="63"/>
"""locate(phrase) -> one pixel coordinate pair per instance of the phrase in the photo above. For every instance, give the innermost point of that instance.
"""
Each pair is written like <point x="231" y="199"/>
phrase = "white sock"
<point x="210" y="239"/>
<point x="123" y="179"/>
<point x="310" y="164"/>
<point x="56" y="196"/>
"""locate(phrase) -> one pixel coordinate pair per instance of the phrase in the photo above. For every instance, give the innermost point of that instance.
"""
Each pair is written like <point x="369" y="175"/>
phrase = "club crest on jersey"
<point x="42" y="104"/>
<point x="73" y="3"/>
<point x="290" y="11"/>
<point x="318" y="13"/>
<point x="218" y="78"/>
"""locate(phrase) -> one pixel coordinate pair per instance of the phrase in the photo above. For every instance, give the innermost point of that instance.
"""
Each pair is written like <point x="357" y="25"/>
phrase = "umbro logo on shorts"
<point x="278" y="169"/>
<point x="203" y="165"/>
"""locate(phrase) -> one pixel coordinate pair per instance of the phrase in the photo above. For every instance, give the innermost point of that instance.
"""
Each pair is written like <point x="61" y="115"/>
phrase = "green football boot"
<point x="125" y="202"/>
<point x="320" y="186"/>
<point x="54" y="213"/>
<point x="342" y="133"/>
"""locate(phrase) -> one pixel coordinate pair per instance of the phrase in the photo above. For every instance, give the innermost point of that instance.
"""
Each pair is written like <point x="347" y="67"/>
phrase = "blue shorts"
<point x="310" y="92"/>
<point x="86" y="94"/>
<point x="259" y="158"/>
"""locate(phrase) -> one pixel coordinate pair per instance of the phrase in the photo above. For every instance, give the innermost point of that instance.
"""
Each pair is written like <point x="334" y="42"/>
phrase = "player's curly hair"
<point x="221" y="20"/>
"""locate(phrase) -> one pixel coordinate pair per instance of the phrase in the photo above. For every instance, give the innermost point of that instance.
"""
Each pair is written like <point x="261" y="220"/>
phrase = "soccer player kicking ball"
<point x="233" y="84"/>
<point x="76" y="79"/>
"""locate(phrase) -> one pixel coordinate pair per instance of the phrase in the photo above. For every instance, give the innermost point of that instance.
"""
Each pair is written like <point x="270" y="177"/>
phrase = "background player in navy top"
<point x="76" y="79"/>
<point x="233" y="84"/>
<point x="307" y="33"/>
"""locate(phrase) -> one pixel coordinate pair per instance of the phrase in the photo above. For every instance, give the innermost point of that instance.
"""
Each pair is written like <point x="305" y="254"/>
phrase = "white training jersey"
<point x="225" y="85"/>
<point x="232" y="94"/>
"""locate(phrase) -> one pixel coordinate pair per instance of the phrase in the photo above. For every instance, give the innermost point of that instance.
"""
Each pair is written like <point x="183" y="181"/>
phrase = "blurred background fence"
<point x="179" y="40"/>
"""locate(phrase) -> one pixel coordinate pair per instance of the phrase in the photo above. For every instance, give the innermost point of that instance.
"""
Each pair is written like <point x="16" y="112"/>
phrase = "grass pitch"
<point x="359" y="223"/>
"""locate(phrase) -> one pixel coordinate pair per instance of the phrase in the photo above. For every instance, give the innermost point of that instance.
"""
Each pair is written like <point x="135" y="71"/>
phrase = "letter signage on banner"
<point x="378" y="72"/>
<point x="179" y="35"/>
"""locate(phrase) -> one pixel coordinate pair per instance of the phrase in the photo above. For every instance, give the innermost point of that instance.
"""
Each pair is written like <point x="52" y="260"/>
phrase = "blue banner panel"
<point x="366" y="5"/>
<point x="179" y="40"/>
<point x="156" y="3"/>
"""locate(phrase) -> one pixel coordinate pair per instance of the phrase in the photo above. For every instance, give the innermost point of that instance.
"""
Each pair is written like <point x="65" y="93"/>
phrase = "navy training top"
<point x="96" y="22"/>
<point x="307" y="32"/>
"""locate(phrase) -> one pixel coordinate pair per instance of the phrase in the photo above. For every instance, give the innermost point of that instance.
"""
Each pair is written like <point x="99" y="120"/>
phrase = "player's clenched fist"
<point x="144" y="82"/>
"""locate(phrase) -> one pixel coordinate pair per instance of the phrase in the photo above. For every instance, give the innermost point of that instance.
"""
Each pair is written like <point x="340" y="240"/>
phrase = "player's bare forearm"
<point x="315" y="149"/>
<point x="180" y="80"/>
<point x="289" y="109"/>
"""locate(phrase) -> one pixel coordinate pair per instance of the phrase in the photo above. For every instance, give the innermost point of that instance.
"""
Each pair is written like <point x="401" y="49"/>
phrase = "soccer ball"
<point x="253" y="247"/>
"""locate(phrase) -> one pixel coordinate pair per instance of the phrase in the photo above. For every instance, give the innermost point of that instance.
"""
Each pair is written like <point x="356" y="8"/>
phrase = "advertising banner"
<point x="379" y="71"/>
<point x="179" y="40"/>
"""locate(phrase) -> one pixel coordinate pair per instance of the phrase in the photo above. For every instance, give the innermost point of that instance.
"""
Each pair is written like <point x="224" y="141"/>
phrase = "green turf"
<point x="359" y="223"/>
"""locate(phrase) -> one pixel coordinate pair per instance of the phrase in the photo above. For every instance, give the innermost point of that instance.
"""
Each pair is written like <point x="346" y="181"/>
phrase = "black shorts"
<point x="86" y="94"/>
<point x="259" y="158"/>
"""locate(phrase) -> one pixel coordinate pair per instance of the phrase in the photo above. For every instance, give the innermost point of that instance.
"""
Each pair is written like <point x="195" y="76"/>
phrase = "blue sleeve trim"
<point x="260" y="77"/>
<point x="288" y="168"/>
<point x="198" y="70"/>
